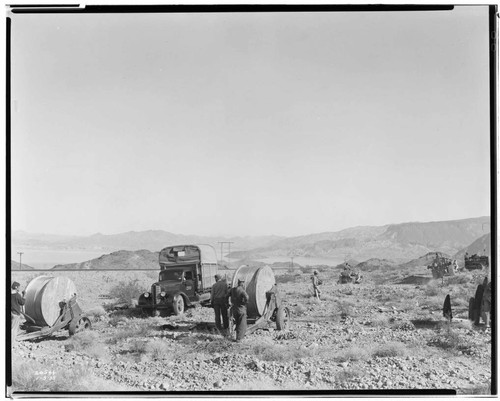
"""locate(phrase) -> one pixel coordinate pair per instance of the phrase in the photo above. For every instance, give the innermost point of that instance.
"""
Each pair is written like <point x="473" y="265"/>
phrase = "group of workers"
<point x="220" y="297"/>
<point x="346" y="276"/>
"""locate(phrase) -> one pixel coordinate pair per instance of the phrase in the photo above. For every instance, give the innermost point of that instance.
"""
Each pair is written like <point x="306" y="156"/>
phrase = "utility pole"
<point x="292" y="261"/>
<point x="222" y="243"/>
<point x="221" y="255"/>
<point x="228" y="257"/>
<point x="20" y="255"/>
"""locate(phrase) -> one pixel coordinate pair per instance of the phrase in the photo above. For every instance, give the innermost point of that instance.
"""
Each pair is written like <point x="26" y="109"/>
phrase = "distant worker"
<point x="16" y="309"/>
<point x="218" y="298"/>
<point x="239" y="300"/>
<point x="455" y="265"/>
<point x="316" y="282"/>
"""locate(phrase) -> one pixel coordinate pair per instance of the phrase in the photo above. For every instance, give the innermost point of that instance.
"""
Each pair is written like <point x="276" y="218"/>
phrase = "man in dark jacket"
<point x="218" y="298"/>
<point x="16" y="301"/>
<point x="239" y="300"/>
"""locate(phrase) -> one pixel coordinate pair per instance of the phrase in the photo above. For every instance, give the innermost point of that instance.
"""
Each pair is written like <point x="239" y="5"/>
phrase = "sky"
<point x="248" y="123"/>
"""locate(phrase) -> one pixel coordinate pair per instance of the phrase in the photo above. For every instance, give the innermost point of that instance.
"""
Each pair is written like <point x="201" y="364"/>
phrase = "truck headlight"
<point x="146" y="295"/>
<point x="163" y="294"/>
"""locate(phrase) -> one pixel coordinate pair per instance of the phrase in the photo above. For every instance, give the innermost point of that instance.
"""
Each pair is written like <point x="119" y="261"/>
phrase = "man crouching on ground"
<point x="239" y="300"/>
<point x="218" y="298"/>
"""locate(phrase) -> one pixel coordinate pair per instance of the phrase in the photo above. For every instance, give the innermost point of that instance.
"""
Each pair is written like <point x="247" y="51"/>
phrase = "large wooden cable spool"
<point x="258" y="280"/>
<point x="43" y="295"/>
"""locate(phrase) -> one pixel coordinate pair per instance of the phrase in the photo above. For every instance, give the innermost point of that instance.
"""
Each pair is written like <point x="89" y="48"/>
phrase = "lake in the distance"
<point x="46" y="259"/>
<point x="303" y="260"/>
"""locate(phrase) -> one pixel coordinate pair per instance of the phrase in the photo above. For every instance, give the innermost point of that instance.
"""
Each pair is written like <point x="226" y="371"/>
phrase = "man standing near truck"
<point x="239" y="300"/>
<point x="218" y="298"/>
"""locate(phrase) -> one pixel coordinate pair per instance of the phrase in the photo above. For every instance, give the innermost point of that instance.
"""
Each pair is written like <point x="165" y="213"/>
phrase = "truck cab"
<point x="187" y="274"/>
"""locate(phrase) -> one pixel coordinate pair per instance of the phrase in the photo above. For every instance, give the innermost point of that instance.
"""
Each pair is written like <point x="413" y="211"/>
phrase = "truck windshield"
<point x="171" y="275"/>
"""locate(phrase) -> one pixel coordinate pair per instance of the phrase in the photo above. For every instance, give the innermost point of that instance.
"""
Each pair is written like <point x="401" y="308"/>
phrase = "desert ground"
<point x="376" y="335"/>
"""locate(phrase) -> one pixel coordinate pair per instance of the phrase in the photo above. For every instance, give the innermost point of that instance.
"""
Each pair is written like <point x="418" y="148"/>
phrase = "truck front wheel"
<point x="178" y="304"/>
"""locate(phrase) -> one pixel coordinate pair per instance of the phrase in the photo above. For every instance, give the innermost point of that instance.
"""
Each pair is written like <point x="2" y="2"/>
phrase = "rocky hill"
<point x="124" y="260"/>
<point x="17" y="266"/>
<point x="482" y="246"/>
<point x="399" y="242"/>
<point x="425" y="260"/>
<point x="375" y="264"/>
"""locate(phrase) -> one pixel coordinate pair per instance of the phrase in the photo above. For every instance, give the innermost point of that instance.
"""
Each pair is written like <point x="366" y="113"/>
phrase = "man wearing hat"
<point x="218" y="298"/>
<point x="16" y="301"/>
<point x="316" y="282"/>
<point x="239" y="300"/>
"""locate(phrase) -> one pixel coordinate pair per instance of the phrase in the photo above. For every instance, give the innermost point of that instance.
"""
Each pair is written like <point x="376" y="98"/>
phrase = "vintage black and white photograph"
<point x="251" y="200"/>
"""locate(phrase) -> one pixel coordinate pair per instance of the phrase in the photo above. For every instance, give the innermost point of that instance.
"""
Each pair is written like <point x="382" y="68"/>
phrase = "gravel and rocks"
<point x="350" y="340"/>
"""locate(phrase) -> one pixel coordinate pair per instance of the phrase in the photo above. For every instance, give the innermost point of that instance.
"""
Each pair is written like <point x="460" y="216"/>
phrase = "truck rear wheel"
<point x="178" y="304"/>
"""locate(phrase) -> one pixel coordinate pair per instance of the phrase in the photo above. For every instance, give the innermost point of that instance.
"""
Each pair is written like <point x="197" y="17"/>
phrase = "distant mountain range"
<point x="397" y="242"/>
<point x="152" y="240"/>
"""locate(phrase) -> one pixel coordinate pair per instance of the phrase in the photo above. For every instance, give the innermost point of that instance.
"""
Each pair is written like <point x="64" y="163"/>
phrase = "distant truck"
<point x="187" y="274"/>
<point x="476" y="262"/>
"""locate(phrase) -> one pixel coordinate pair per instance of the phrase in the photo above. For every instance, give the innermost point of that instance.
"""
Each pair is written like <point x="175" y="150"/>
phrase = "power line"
<point x="221" y="244"/>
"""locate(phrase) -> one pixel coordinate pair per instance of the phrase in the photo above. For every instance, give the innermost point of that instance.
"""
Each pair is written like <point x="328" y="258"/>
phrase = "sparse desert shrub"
<point x="465" y="324"/>
<point x="354" y="353"/>
<point x="431" y="290"/>
<point x="450" y="339"/>
<point x="117" y="321"/>
<point x="96" y="313"/>
<point x="347" y="375"/>
<point x="274" y="352"/>
<point x="26" y="377"/>
<point x="457" y="279"/>
<point x="327" y="297"/>
<point x="138" y="347"/>
<point x="158" y="350"/>
<point x="212" y="347"/>
<point x="391" y="349"/>
<point x="407" y="305"/>
<point x="129" y="332"/>
<point x="262" y="383"/>
<point x="346" y="309"/>
<point x="379" y="321"/>
<point x="404" y="325"/>
<point x="285" y="278"/>
<point x="434" y="302"/>
<point x="383" y="298"/>
<point x="35" y="377"/>
<point x="126" y="291"/>
<point x="484" y="389"/>
<point x="87" y="342"/>
<point x="299" y="310"/>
